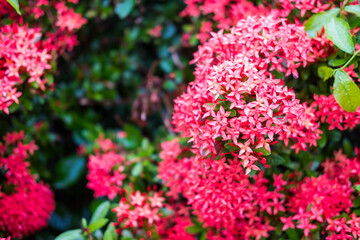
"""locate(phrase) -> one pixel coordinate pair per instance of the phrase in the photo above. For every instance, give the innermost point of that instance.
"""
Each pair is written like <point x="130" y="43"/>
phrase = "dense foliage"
<point x="195" y="119"/>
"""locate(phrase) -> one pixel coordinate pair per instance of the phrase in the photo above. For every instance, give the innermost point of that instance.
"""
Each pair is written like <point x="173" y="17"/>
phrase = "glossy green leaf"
<point x="338" y="31"/>
<point x="15" y="5"/>
<point x="325" y="72"/>
<point x="346" y="92"/>
<point x="69" y="171"/>
<point x="322" y="141"/>
<point x="347" y="147"/>
<point x="353" y="9"/>
<point x="275" y="159"/>
<point x="337" y="62"/>
<point x="317" y="21"/>
<point x="70" y="235"/>
<point x="110" y="233"/>
<point x="356" y="202"/>
<point x="98" y="224"/>
<point x="263" y="151"/>
<point x="100" y="212"/>
<point x="194" y="229"/>
<point x="83" y="223"/>
<point x="292" y="234"/>
<point x="137" y="169"/>
<point x="124" y="9"/>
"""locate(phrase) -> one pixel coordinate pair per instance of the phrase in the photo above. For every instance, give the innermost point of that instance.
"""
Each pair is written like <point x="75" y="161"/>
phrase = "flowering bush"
<point x="255" y="138"/>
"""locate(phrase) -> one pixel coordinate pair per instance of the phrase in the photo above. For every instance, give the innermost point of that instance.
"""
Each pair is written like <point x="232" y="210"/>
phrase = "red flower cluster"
<point x="174" y="226"/>
<point x="222" y="195"/>
<point x="106" y="174"/>
<point x="237" y="207"/>
<point x="329" y="111"/>
<point x="225" y="13"/>
<point x="304" y="6"/>
<point x="25" y="203"/>
<point x="322" y="200"/>
<point x="176" y="173"/>
<point x="271" y="44"/>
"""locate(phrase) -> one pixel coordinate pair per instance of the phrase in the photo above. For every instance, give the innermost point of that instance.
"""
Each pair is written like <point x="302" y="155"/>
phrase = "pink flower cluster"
<point x="174" y="226"/>
<point x="271" y="44"/>
<point x="25" y="203"/>
<point x="236" y="206"/>
<point x="221" y="194"/>
<point x="233" y="109"/>
<point x="66" y="20"/>
<point x="322" y="200"/>
<point x="177" y="174"/>
<point x="25" y="53"/>
<point x="139" y="210"/>
<point x="106" y="171"/>
<point x="225" y="13"/>
<point x="304" y="6"/>
<point x="21" y="54"/>
<point x="329" y="111"/>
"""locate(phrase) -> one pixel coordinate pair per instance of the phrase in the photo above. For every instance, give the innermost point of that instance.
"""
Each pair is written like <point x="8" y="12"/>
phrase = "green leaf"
<point x="100" y="212"/>
<point x="322" y="141"/>
<point x="124" y="9"/>
<point x="353" y="9"/>
<point x="275" y="159"/>
<point x="110" y="233"/>
<point x="317" y="21"/>
<point x="338" y="31"/>
<point x="15" y="5"/>
<point x="347" y="147"/>
<point x="133" y="139"/>
<point x="346" y="92"/>
<point x="356" y="187"/>
<point x="83" y="223"/>
<point x="325" y="72"/>
<point x="169" y="85"/>
<point x="337" y="62"/>
<point x="194" y="229"/>
<point x="167" y="65"/>
<point x="263" y="151"/>
<point x="292" y="234"/>
<point x="69" y="171"/>
<point x="137" y="169"/>
<point x="70" y="235"/>
<point x="98" y="224"/>
<point x="356" y="202"/>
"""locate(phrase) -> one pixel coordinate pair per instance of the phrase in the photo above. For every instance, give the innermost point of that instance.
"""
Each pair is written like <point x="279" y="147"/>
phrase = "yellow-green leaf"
<point x="15" y="5"/>
<point x="346" y="92"/>
<point x="317" y="21"/>
<point x="353" y="9"/>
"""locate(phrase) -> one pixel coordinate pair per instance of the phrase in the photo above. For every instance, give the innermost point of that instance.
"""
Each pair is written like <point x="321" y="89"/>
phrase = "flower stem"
<point x="353" y="56"/>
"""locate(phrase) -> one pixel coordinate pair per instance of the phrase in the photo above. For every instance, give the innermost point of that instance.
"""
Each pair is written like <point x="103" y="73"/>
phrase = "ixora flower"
<point x="329" y="111"/>
<point x="25" y="203"/>
<point x="21" y="52"/>
<point x="324" y="199"/>
<point x="224" y="198"/>
<point x="234" y="109"/>
<point x="139" y="210"/>
<point x="106" y="174"/>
